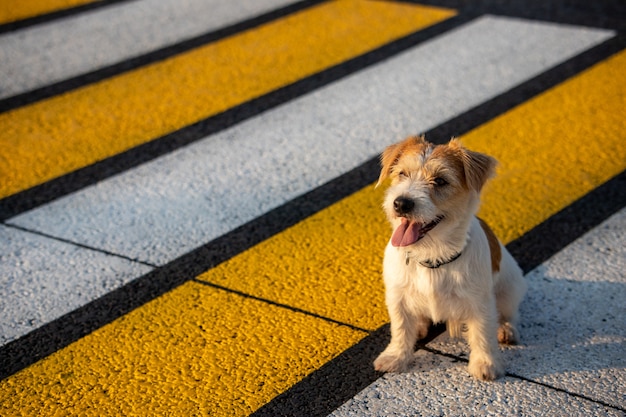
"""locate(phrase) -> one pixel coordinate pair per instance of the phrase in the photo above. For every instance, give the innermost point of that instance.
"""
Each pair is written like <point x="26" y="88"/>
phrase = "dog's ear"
<point x="388" y="159"/>
<point x="390" y="156"/>
<point x="478" y="166"/>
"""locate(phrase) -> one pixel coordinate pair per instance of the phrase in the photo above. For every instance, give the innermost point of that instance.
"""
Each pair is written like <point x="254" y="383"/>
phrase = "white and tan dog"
<point x="442" y="263"/>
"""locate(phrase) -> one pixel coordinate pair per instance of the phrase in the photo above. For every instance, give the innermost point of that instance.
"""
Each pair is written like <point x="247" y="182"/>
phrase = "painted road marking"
<point x="61" y="134"/>
<point x="587" y="283"/>
<point x="336" y="249"/>
<point x="133" y="214"/>
<point x="549" y="128"/>
<point x="43" y="278"/>
<point x="13" y="10"/>
<point x="177" y="311"/>
<point x="188" y="338"/>
<point x="433" y="387"/>
<point x="109" y="35"/>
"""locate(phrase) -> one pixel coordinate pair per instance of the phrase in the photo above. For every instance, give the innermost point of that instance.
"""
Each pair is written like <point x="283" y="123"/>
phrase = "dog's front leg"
<point x="485" y="362"/>
<point x="405" y="329"/>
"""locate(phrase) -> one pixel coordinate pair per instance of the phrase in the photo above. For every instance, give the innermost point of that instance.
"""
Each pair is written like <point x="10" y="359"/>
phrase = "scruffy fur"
<point x="434" y="195"/>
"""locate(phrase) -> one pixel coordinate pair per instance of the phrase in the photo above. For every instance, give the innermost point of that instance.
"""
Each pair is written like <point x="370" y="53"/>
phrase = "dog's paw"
<point x="392" y="362"/>
<point x="508" y="334"/>
<point x="485" y="369"/>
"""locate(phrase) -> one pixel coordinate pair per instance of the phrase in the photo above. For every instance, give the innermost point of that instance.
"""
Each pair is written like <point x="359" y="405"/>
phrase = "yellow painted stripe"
<point x="50" y="138"/>
<point x="196" y="351"/>
<point x="552" y="150"/>
<point x="12" y="10"/>
<point x="330" y="264"/>
<point x="196" y="348"/>
<point x="555" y="148"/>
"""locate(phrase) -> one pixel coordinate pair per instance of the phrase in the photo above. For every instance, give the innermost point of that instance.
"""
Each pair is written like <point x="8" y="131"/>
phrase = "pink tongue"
<point x="406" y="234"/>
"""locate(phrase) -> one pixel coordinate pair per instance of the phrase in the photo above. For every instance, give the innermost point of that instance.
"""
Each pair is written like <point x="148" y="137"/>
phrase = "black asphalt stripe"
<point x="58" y="14"/>
<point x="558" y="231"/>
<point x="324" y="390"/>
<point x="517" y="95"/>
<point x="45" y="193"/>
<point x="608" y="14"/>
<point x="61" y="332"/>
<point x="82" y="80"/>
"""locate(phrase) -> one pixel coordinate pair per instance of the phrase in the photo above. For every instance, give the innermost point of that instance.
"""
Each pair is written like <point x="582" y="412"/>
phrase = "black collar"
<point x="434" y="264"/>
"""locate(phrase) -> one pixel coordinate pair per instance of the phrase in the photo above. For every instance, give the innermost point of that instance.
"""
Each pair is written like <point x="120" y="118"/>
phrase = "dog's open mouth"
<point x="411" y="231"/>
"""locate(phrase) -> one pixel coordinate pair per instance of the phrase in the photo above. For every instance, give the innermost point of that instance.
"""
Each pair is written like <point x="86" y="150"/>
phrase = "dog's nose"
<point x="403" y="205"/>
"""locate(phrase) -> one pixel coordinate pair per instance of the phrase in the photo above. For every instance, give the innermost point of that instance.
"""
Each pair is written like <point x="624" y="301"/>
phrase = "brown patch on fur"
<point x="478" y="167"/>
<point x="452" y="161"/>
<point x="389" y="157"/>
<point x="494" y="246"/>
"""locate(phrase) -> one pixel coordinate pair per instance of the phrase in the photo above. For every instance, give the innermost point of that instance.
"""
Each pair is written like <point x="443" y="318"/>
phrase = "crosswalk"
<point x="189" y="220"/>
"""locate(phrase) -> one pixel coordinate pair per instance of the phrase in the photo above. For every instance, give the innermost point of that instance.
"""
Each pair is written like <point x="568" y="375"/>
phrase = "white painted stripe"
<point x="44" y="54"/>
<point x="573" y="338"/>
<point x="441" y="386"/>
<point x="42" y="279"/>
<point x="172" y="205"/>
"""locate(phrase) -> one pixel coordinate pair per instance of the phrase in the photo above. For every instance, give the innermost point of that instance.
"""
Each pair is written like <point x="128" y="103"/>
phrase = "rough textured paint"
<point x="50" y="138"/>
<point x="13" y="10"/>
<point x="172" y="355"/>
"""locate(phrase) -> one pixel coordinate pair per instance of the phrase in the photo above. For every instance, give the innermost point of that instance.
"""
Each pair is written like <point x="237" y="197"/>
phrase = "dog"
<point x="442" y="263"/>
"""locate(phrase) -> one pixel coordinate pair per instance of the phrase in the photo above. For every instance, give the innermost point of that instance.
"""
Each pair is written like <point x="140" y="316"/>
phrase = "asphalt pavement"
<point x="189" y="223"/>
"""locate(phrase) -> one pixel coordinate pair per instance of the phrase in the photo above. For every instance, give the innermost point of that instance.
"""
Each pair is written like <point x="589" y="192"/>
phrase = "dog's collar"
<point x="435" y="263"/>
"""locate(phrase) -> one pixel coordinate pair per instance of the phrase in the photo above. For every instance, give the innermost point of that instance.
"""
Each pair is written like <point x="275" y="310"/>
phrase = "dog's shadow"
<point x="570" y="326"/>
<point x="573" y="336"/>
<point x="565" y="325"/>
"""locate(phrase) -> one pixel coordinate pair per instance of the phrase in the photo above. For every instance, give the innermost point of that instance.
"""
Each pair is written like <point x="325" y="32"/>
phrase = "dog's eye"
<point x="440" y="182"/>
<point x="402" y="174"/>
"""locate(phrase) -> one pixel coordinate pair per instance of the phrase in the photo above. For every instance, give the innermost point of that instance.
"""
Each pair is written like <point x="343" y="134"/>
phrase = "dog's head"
<point x="433" y="187"/>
